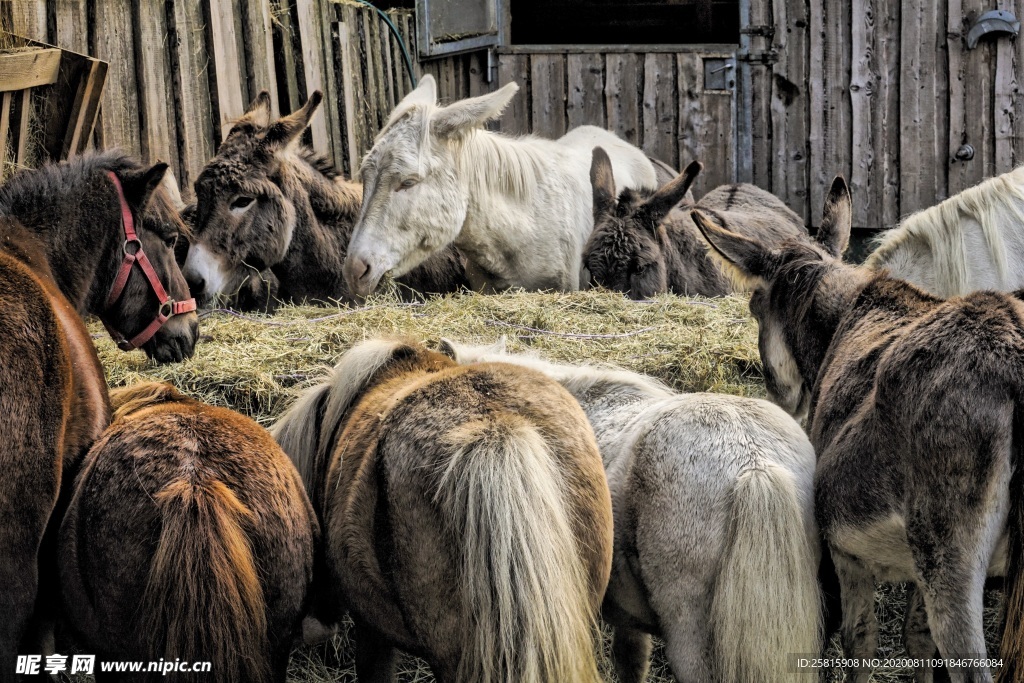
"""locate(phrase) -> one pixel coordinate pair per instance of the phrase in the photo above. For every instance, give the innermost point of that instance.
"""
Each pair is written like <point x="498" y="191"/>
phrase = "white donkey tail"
<point x="527" y="603"/>
<point x="767" y="607"/>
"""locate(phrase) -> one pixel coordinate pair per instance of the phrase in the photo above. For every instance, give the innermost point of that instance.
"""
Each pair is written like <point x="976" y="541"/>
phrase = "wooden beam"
<point x="28" y="69"/>
<point x="82" y="118"/>
<point x="228" y="64"/>
<point x="5" y="125"/>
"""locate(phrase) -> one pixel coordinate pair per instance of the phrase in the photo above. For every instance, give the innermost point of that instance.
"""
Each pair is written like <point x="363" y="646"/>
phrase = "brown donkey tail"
<point x="204" y="601"/>
<point x="1012" y="648"/>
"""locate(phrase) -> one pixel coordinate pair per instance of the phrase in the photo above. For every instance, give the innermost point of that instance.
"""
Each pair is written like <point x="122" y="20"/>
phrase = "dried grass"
<point x="255" y="364"/>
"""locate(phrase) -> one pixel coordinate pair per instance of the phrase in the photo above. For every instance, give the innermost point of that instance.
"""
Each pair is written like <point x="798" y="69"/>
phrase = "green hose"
<point x="398" y="37"/>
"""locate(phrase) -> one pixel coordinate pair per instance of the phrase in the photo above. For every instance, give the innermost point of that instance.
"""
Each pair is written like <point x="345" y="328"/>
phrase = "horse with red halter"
<point x="87" y="236"/>
<point x="189" y="537"/>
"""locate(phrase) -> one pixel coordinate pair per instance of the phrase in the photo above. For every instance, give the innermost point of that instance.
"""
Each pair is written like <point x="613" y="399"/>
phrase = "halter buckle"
<point x="138" y="246"/>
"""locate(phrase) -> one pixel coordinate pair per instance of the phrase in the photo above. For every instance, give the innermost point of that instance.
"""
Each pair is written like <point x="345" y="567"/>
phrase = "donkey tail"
<point x="1011" y="650"/>
<point x="766" y="606"/>
<point x="527" y="602"/>
<point x="204" y="601"/>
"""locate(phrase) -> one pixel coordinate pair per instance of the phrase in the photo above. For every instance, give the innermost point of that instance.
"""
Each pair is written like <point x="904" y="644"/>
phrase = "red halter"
<point x="133" y="254"/>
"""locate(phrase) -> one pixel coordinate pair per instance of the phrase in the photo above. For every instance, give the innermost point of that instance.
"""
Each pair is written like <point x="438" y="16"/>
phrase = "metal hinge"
<point x="760" y="57"/>
<point x="759" y="30"/>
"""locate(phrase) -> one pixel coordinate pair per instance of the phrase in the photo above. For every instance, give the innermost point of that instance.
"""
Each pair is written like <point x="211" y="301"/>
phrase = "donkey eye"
<point x="241" y="202"/>
<point x="171" y="241"/>
<point x="407" y="183"/>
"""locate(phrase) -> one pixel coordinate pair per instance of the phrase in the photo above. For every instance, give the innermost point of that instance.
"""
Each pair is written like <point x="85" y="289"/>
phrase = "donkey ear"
<point x="259" y="112"/>
<point x="672" y="192"/>
<point x="746" y="259"/>
<point x="460" y="117"/>
<point x="836" y="219"/>
<point x="170" y="184"/>
<point x="424" y="93"/>
<point x="603" y="180"/>
<point x="288" y="128"/>
<point x="139" y="185"/>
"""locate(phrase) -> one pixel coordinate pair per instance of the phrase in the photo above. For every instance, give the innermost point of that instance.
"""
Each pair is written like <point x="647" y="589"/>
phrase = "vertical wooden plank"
<point x="1016" y="61"/>
<point x="1005" y="95"/>
<point x="790" y="107"/>
<point x="28" y="19"/>
<point x="970" y="99"/>
<point x="516" y="118"/>
<point x="716" y="139"/>
<point x="547" y="80"/>
<point x="373" y="93"/>
<point x="410" y="42"/>
<point x="354" y="121"/>
<point x="192" y="89"/>
<point x="478" y="75"/>
<point x="693" y="117"/>
<point x="761" y="75"/>
<point x="81" y="118"/>
<point x="284" y="36"/>
<point x="5" y="126"/>
<point x="403" y="80"/>
<point x="924" y="112"/>
<point x="329" y="113"/>
<point x="114" y="44"/>
<point x="660" y="111"/>
<point x="874" y="95"/>
<point x="72" y="20"/>
<point x="585" y="105"/>
<point x="830" y="105"/>
<point x="258" y="37"/>
<point x="311" y="38"/>
<point x="387" y="67"/>
<point x="622" y="83"/>
<point x="156" y="98"/>
<point x="24" y="99"/>
<point x="228" y="64"/>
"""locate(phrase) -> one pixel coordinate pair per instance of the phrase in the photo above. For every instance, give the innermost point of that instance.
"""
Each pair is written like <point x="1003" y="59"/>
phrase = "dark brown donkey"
<point x="465" y="514"/>
<point x="189" y="538"/>
<point x="62" y="243"/>
<point x="917" y="417"/>
<point x="642" y="246"/>
<point x="273" y="220"/>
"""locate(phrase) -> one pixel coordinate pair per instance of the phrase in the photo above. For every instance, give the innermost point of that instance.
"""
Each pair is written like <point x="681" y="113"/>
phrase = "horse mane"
<point x="992" y="204"/>
<point x="131" y="399"/>
<point x="308" y="429"/>
<point x="42" y="186"/>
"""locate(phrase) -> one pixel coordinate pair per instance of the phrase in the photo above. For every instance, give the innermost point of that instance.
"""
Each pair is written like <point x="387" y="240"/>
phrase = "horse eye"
<point x="171" y="241"/>
<point x="407" y="183"/>
<point x="241" y="202"/>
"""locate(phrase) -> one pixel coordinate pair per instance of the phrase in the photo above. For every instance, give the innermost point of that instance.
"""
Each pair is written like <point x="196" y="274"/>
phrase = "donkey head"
<point x="624" y="252"/>
<point x="243" y="220"/>
<point x="414" y="197"/>
<point x="799" y="291"/>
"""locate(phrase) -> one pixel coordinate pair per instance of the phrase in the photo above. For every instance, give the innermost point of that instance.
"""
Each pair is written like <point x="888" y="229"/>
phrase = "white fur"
<point x="201" y="263"/>
<point x="716" y="547"/>
<point x="971" y="241"/>
<point x="519" y="209"/>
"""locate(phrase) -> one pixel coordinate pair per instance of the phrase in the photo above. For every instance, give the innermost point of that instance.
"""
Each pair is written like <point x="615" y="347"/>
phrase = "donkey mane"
<point x="319" y="162"/>
<point x="38" y="187"/>
<point x="992" y="203"/>
<point x="323" y="409"/>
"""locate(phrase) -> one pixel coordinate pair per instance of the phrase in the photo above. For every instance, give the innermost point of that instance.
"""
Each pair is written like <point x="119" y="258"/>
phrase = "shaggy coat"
<point x="915" y="411"/>
<point x="465" y="513"/>
<point x="716" y="548"/>
<point x="189" y="537"/>
<point x="644" y="245"/>
<point x="60" y="246"/>
<point x="273" y="220"/>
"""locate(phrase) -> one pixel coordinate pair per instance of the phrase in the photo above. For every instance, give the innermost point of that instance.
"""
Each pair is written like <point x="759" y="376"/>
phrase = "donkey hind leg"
<point x="631" y="653"/>
<point x="918" y="637"/>
<point x="859" y="630"/>
<point x="688" y="643"/>
<point x="954" y="601"/>
<point x="375" y="656"/>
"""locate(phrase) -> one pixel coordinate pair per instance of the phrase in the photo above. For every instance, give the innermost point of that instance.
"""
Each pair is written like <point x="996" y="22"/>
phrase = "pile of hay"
<point x="256" y="364"/>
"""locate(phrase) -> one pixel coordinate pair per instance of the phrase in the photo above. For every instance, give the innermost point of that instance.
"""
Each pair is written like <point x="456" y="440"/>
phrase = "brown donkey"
<point x="273" y="220"/>
<point x="917" y="417"/>
<point x="465" y="512"/>
<point x="642" y="246"/>
<point x="189" y="537"/>
<point x="61" y="245"/>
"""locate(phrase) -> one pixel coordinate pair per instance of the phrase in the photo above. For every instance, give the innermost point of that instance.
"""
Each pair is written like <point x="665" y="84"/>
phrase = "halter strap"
<point x="134" y="254"/>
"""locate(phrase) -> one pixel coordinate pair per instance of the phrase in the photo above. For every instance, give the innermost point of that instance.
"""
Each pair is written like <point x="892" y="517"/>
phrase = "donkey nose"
<point x="196" y="285"/>
<point x="360" y="269"/>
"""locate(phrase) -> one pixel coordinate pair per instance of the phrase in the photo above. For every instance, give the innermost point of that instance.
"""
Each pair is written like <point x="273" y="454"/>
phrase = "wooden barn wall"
<point x="884" y="92"/>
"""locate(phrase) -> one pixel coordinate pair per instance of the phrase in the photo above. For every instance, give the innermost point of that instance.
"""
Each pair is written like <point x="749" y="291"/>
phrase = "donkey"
<point x="517" y="208"/>
<point x="189" y="538"/>
<point x="915" y="412"/>
<point x="273" y="220"/>
<point x="62" y="246"/>
<point x="643" y="247"/>
<point x="465" y="513"/>
<point x="716" y="548"/>
<point x="971" y="241"/>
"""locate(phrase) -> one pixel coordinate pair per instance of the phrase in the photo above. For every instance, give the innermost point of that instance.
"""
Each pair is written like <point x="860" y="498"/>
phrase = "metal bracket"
<point x="999" y="22"/>
<point x="760" y="30"/>
<point x="766" y="57"/>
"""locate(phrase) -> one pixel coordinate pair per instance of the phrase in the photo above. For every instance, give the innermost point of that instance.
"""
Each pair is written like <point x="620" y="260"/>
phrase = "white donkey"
<point x="519" y="209"/>
<point x="974" y="240"/>
<point x="716" y="547"/>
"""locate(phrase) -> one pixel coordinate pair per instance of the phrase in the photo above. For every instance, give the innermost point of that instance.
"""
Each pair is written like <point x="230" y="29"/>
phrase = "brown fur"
<point x="263" y="160"/>
<point x="917" y="417"/>
<point x="189" y="537"/>
<point x="400" y="469"/>
<point x="644" y="245"/>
